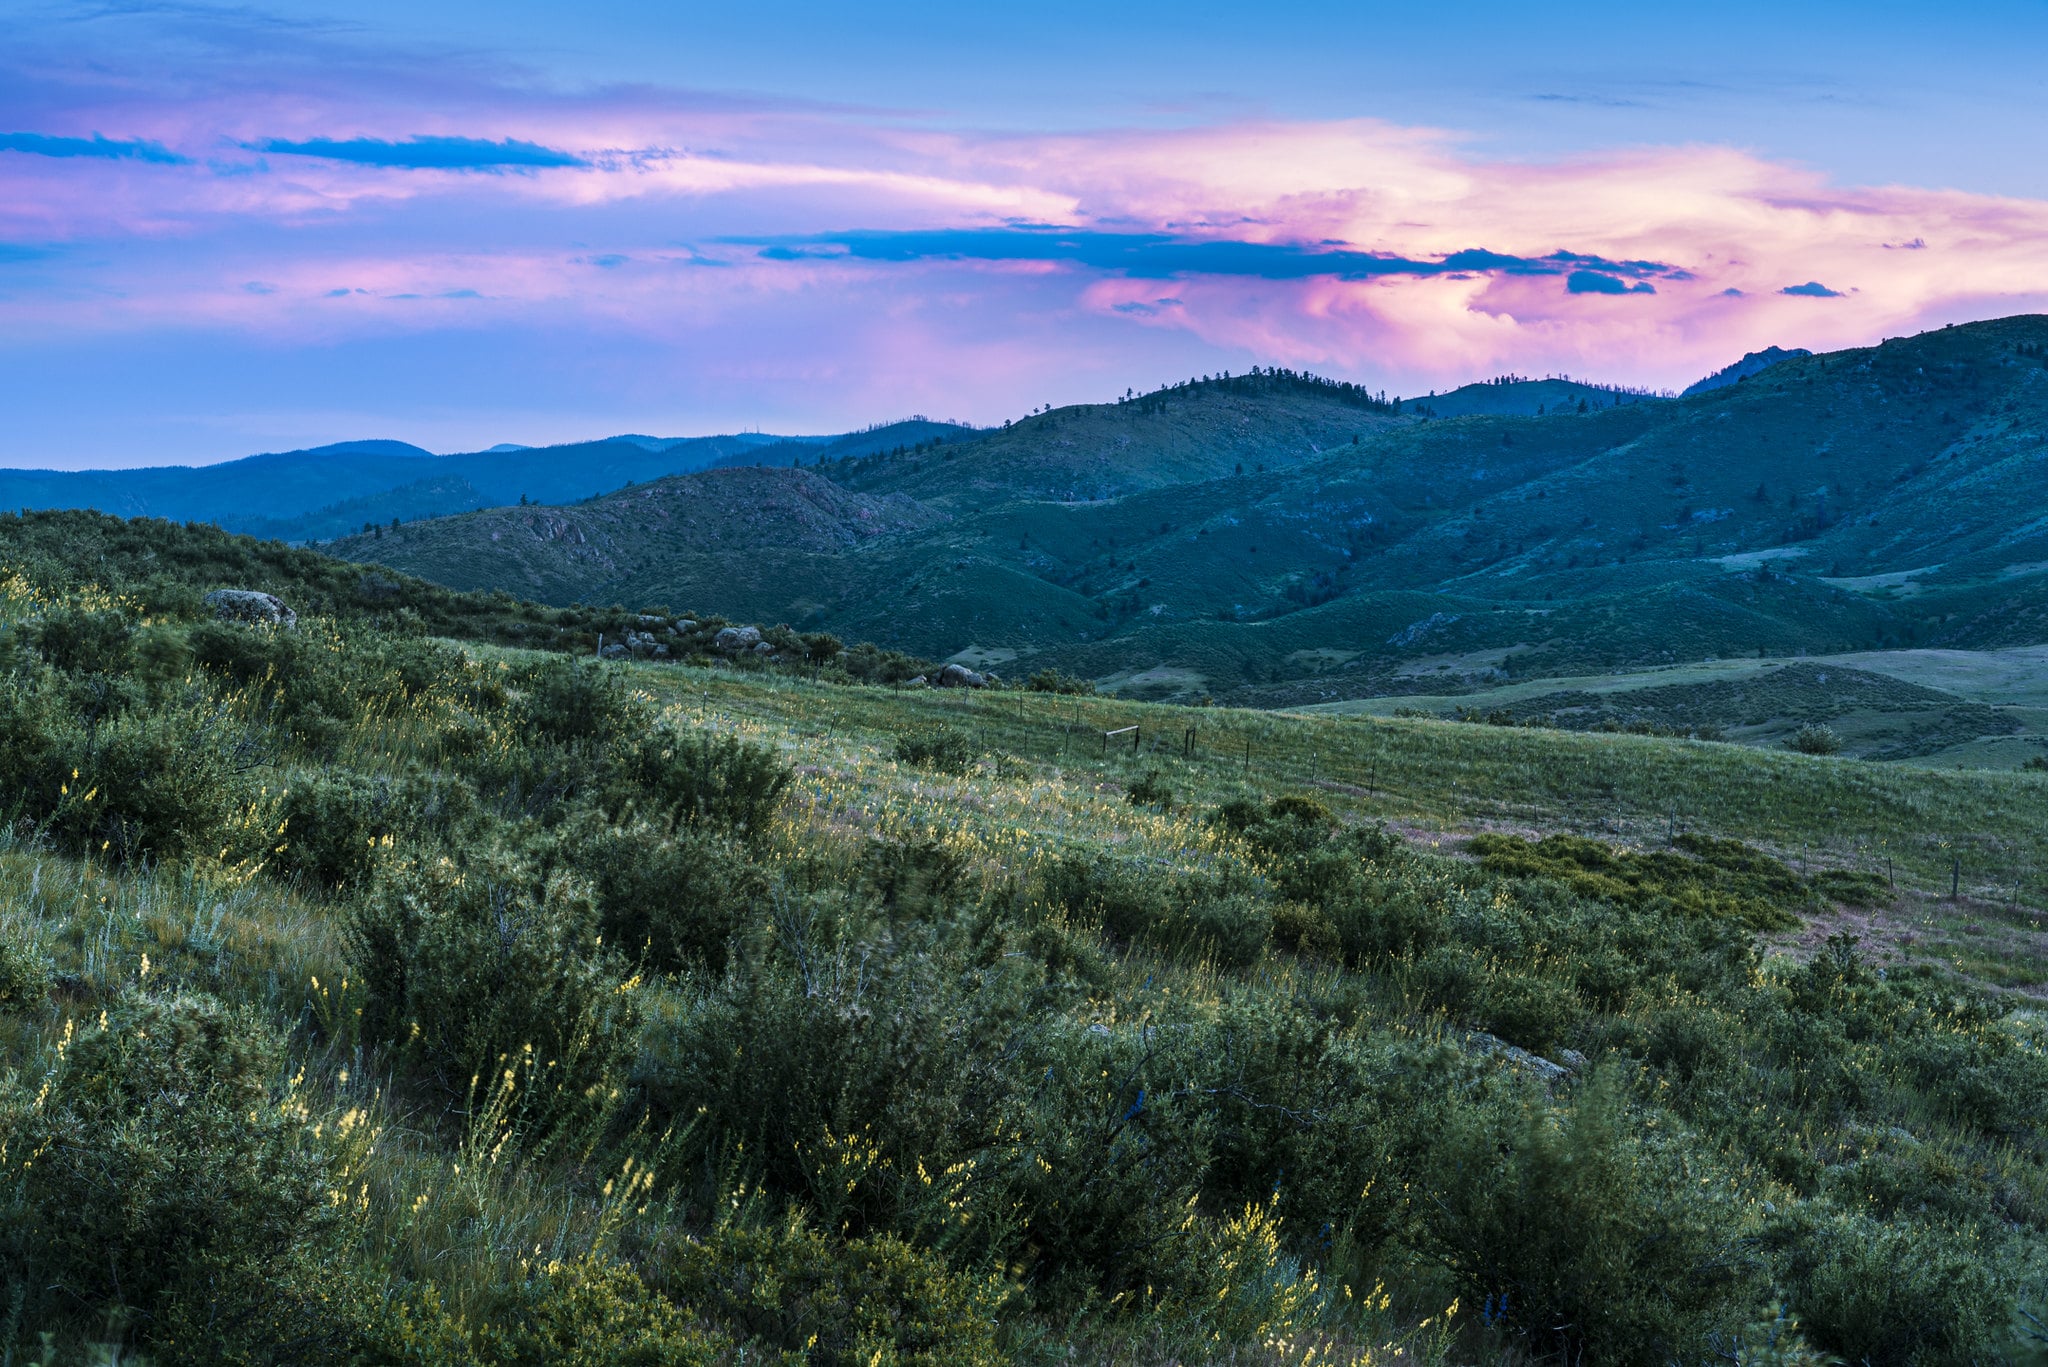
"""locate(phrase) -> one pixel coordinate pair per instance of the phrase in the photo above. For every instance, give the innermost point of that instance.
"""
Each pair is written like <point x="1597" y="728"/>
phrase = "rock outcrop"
<point x="248" y="605"/>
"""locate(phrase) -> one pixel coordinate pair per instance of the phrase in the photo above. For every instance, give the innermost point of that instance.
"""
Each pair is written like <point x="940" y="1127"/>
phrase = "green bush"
<point x="1586" y="1233"/>
<point x="701" y="778"/>
<point x="36" y="742"/>
<point x="1052" y="681"/>
<point x="949" y="752"/>
<point x="24" y="974"/>
<point x="591" y="1313"/>
<point x="916" y="878"/>
<point x="858" y="1303"/>
<point x="158" y="1174"/>
<point x="1898" y="1294"/>
<point x="467" y="967"/>
<point x="1150" y="789"/>
<point x="1815" y="739"/>
<point x="823" y="1048"/>
<point x="1306" y="929"/>
<point x="1701" y="876"/>
<point x="85" y="641"/>
<point x="159" y="785"/>
<point x="667" y="899"/>
<point x="332" y="825"/>
<point x="573" y="702"/>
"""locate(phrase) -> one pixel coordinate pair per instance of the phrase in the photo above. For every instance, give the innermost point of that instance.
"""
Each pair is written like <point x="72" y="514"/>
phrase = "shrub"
<point x="156" y="785"/>
<point x="1854" y="888"/>
<point x="946" y="751"/>
<point x="332" y="823"/>
<point x="24" y="974"/>
<point x="591" y="1312"/>
<point x="1150" y="789"/>
<point x="157" y="1173"/>
<point x="838" y="1304"/>
<point x="35" y="745"/>
<point x="1305" y="929"/>
<point x="1897" y="1294"/>
<point x="1815" y="739"/>
<point x="84" y="640"/>
<point x="572" y="702"/>
<point x="667" y="899"/>
<point x="1228" y="930"/>
<point x="700" y="778"/>
<point x="465" y="968"/>
<point x="1591" y="1237"/>
<point x="918" y="877"/>
<point x="1052" y="681"/>
<point x="1701" y="876"/>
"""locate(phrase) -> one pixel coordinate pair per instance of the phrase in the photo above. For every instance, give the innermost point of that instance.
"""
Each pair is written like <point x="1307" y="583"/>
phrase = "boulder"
<point x="919" y="682"/>
<point x="247" y="605"/>
<point x="614" y="651"/>
<point x="733" y="640"/>
<point x="960" y="676"/>
<point x="1514" y="1056"/>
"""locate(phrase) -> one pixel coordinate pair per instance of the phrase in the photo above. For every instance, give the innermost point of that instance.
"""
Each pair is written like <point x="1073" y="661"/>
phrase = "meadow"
<point x="370" y="995"/>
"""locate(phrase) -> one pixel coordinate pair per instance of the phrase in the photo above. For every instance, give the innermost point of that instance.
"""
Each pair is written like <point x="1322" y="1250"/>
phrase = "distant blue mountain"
<point x="330" y="490"/>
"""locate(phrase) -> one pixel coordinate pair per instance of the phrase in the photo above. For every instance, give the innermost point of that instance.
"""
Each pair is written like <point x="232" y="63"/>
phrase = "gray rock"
<point x="1479" y="1042"/>
<point x="247" y="605"/>
<point x="919" y="682"/>
<point x="960" y="676"/>
<point x="614" y="651"/>
<point x="733" y="640"/>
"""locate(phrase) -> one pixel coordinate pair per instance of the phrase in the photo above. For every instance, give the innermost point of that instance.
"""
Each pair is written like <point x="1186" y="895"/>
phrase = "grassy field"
<point x="1979" y="709"/>
<point x="377" y="994"/>
<point x="1922" y="827"/>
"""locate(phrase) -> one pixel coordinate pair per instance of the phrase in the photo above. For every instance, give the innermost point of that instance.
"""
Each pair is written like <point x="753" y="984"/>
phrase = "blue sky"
<point x="225" y="229"/>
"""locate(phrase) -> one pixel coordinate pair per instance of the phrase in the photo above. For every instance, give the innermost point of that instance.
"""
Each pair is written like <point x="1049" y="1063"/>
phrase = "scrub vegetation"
<point x="381" y="989"/>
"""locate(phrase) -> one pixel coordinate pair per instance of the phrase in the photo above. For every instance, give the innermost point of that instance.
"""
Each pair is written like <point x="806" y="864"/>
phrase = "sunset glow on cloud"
<point x="713" y="261"/>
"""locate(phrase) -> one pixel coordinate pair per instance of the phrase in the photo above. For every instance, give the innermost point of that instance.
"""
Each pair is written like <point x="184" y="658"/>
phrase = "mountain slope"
<point x="1275" y="541"/>
<point x="760" y="540"/>
<point x="1744" y="368"/>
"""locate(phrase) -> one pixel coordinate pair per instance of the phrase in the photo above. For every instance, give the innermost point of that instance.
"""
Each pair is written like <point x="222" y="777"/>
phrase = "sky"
<point x="228" y="229"/>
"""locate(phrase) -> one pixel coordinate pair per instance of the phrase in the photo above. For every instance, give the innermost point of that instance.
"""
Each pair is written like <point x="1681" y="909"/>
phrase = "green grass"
<point x="1092" y="1028"/>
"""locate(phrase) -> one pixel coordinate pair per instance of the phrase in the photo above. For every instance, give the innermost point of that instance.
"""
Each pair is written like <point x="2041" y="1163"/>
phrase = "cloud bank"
<point x="754" y="260"/>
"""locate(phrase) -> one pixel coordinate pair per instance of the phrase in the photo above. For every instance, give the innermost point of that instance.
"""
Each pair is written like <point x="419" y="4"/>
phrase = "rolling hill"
<point x="1279" y="541"/>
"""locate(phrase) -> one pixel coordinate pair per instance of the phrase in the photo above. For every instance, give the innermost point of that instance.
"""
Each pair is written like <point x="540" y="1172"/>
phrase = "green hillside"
<point x="371" y="993"/>
<point x="1272" y="540"/>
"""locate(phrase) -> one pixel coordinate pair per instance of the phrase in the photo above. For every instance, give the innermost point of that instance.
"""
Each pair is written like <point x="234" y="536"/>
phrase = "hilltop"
<point x="1272" y="540"/>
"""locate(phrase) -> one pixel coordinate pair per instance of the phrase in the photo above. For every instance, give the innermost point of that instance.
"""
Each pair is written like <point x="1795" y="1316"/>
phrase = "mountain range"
<point x="1275" y="539"/>
<point x="332" y="490"/>
<point x="1270" y="538"/>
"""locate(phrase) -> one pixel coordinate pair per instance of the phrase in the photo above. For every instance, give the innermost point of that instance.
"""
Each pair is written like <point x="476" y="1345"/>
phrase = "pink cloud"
<point x="680" y="193"/>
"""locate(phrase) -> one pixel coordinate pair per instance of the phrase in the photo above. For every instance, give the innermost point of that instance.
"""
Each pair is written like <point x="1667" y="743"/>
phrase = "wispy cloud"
<point x="111" y="149"/>
<point x="425" y="153"/>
